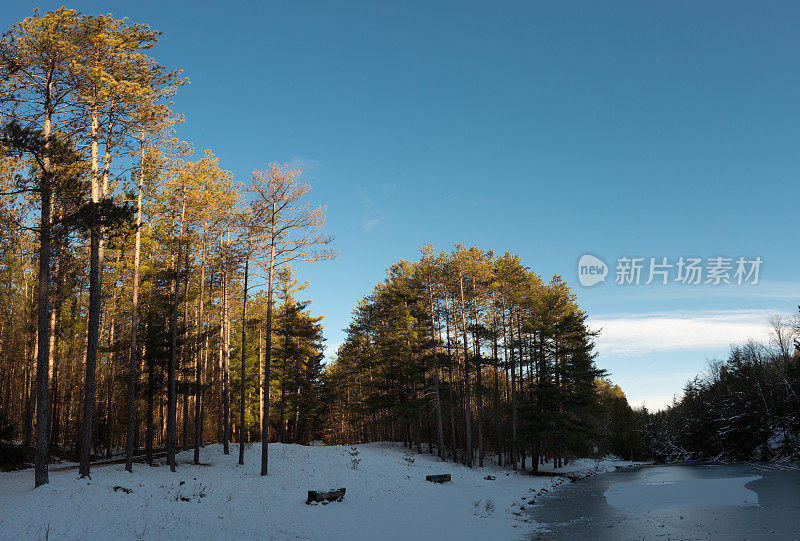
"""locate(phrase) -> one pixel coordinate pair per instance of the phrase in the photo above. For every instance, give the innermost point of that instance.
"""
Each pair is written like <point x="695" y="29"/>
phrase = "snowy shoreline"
<point x="387" y="496"/>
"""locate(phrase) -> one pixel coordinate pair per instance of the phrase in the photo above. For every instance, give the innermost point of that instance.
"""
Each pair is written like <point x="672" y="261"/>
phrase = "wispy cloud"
<point x="368" y="224"/>
<point x="371" y="214"/>
<point x="636" y="334"/>
<point x="784" y="290"/>
<point x="392" y="190"/>
<point x="306" y="164"/>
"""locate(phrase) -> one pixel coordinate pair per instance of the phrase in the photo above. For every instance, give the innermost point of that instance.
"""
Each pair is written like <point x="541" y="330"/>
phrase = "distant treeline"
<point x="746" y="408"/>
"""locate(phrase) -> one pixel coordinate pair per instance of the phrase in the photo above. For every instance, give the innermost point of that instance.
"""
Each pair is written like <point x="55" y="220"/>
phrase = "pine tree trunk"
<point x="95" y="300"/>
<point x="43" y="342"/>
<point x="134" y="357"/>
<point x="30" y="389"/>
<point x="172" y="397"/>
<point x="55" y="318"/>
<point x="521" y="380"/>
<point x="109" y="387"/>
<point x="185" y="355"/>
<point x="439" y="428"/>
<point x="244" y="350"/>
<point x="513" y="393"/>
<point x="226" y="364"/>
<point x="151" y="381"/>
<point x="265" y="422"/>
<point x="283" y="386"/>
<point x="467" y="405"/>
<point x="478" y="388"/>
<point x="260" y="378"/>
<point x="296" y="427"/>
<point x="450" y="396"/>
<point x="198" y="376"/>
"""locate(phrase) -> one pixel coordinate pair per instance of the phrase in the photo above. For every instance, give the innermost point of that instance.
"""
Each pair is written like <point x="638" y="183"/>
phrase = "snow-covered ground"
<point x="387" y="498"/>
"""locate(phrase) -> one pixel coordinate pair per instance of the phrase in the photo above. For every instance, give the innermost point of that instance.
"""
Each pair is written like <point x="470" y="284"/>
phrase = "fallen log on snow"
<point x="315" y="496"/>
<point x="442" y="478"/>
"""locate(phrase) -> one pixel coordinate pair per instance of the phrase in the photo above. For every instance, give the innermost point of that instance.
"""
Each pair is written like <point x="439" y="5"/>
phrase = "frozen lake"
<point x="681" y="502"/>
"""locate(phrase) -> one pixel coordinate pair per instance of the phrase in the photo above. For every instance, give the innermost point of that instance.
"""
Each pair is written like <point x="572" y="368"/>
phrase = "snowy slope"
<point x="387" y="498"/>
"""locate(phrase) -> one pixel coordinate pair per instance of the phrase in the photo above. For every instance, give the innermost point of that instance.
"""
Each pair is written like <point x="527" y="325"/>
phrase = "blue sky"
<point x="543" y="128"/>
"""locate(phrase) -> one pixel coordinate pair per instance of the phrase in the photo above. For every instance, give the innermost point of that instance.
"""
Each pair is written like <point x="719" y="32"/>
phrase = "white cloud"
<point x="632" y="334"/>
<point x="766" y="289"/>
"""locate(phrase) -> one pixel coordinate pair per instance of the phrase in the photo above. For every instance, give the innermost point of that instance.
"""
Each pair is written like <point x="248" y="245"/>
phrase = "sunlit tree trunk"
<point x="198" y="376"/>
<point x="134" y="354"/>
<point x="260" y="378"/>
<point x="172" y="397"/>
<point x="95" y="300"/>
<point x="226" y="363"/>
<point x="268" y="348"/>
<point x="42" y="339"/>
<point x="242" y="384"/>
<point x="467" y="405"/>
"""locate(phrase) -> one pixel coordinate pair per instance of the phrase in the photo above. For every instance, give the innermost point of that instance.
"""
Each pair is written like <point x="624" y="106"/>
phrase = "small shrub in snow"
<point x="483" y="508"/>
<point x="408" y="457"/>
<point x="354" y="461"/>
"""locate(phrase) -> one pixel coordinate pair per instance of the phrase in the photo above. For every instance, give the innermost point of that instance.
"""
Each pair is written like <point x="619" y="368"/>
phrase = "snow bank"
<point x="387" y="498"/>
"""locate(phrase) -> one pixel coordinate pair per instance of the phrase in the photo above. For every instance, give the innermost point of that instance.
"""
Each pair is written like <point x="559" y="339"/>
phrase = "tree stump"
<point x="334" y="495"/>
<point x="442" y="478"/>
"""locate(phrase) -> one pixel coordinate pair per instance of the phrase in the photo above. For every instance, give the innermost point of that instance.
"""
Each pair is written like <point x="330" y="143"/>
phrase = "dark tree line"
<point x="745" y="408"/>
